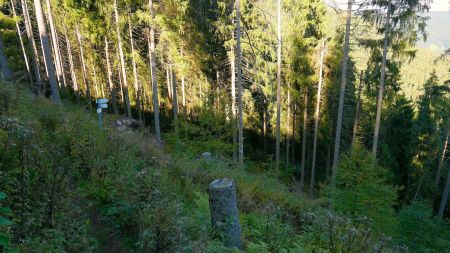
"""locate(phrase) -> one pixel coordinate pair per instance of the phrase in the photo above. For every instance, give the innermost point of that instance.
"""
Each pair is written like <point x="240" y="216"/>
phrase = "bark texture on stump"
<point x="224" y="212"/>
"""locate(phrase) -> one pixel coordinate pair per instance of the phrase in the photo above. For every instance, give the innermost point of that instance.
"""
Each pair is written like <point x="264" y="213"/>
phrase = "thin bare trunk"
<point x="239" y="82"/>
<point x="337" y="141"/>
<point x="50" y="67"/>
<point x="316" y="122"/>
<point x="381" y="88"/>
<point x="122" y="63"/>
<point x="55" y="44"/>
<point x="278" y="126"/>
<point x="5" y="73"/>
<point x="288" y="123"/>
<point x="72" y="67"/>
<point x="174" y="101"/>
<point x="95" y="81"/>
<point x="444" y="196"/>
<point x="358" y="102"/>
<point x="233" y="102"/>
<point x="112" y="89"/>
<point x="22" y="46"/>
<point x="305" y="129"/>
<point x="152" y="55"/>
<point x="294" y="121"/>
<point x="83" y="67"/>
<point x="135" y="74"/>
<point x="169" y="81"/>
<point x="32" y="45"/>
<point x="441" y="160"/>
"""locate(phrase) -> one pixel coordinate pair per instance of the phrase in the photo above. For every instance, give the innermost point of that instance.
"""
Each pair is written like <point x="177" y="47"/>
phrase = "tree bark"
<point x="32" y="46"/>
<point x="152" y="56"/>
<point x="278" y="126"/>
<point x="122" y="63"/>
<point x="358" y="102"/>
<point x="316" y="122"/>
<point x="441" y="160"/>
<point x="381" y="88"/>
<point x="83" y="66"/>
<point x="112" y="89"/>
<point x="54" y="36"/>
<point x="304" y="141"/>
<point x="444" y="196"/>
<point x="337" y="141"/>
<point x="174" y="101"/>
<point x="239" y="83"/>
<point x="288" y="123"/>
<point x="135" y="74"/>
<point x="169" y="82"/>
<point x="233" y="101"/>
<point x="5" y="71"/>
<point x="224" y="211"/>
<point x="72" y="67"/>
<point x="47" y="51"/>
<point x="22" y="46"/>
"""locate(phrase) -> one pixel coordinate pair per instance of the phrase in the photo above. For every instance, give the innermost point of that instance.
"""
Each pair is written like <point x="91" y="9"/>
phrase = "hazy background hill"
<point x="438" y="30"/>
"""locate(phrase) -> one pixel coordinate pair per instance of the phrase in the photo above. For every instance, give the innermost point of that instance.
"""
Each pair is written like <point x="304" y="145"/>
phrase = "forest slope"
<point x="85" y="189"/>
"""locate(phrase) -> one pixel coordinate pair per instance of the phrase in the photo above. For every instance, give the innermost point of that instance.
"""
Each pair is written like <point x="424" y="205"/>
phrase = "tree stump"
<point x="224" y="212"/>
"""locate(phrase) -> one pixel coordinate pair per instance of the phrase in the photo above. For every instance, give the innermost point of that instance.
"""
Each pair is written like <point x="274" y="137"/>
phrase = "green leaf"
<point x="4" y="240"/>
<point x="2" y="195"/>
<point x="12" y="251"/>
<point x="5" y="210"/>
<point x="5" y="222"/>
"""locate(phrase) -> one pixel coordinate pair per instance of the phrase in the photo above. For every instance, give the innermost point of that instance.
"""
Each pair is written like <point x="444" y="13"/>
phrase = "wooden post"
<point x="224" y="212"/>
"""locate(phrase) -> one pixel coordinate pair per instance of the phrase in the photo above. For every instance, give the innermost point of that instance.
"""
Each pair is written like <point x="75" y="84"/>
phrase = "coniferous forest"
<point x="223" y="126"/>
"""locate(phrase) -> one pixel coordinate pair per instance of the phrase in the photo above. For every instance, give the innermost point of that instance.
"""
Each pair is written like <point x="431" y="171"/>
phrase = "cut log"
<point x="224" y="212"/>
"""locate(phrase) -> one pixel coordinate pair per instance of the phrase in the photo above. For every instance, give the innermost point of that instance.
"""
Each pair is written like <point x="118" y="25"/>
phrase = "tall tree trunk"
<point x="233" y="102"/>
<point x="294" y="121"/>
<point x="441" y="160"/>
<point x="358" y="102"/>
<point x="5" y="71"/>
<point x="151" y="50"/>
<point x="174" y="101"/>
<point x="135" y="74"/>
<point x="169" y="82"/>
<point x="112" y="89"/>
<point x="239" y="82"/>
<point x="381" y="88"/>
<point x="32" y="46"/>
<point x="56" y="52"/>
<point x="83" y="67"/>
<point x="337" y="141"/>
<point x="277" y="144"/>
<point x="47" y="51"/>
<point x="304" y="140"/>
<point x="288" y="123"/>
<point x="444" y="196"/>
<point x="95" y="81"/>
<point x="316" y="122"/>
<point x="72" y="67"/>
<point x="122" y="63"/>
<point x="22" y="46"/>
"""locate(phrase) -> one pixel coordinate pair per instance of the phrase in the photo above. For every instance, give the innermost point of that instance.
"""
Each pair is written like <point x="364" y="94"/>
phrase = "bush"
<point x="420" y="231"/>
<point x="362" y="189"/>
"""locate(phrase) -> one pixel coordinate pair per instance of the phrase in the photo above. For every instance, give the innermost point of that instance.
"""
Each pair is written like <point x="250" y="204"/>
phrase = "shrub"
<point x="420" y="231"/>
<point x="362" y="189"/>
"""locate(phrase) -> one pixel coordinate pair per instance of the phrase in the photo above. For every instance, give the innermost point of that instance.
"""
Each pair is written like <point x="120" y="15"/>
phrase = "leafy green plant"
<point x="5" y="242"/>
<point x="362" y="189"/>
<point x="420" y="231"/>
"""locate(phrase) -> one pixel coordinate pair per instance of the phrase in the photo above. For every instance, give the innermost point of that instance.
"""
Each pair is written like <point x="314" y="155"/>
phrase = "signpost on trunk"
<point x="101" y="104"/>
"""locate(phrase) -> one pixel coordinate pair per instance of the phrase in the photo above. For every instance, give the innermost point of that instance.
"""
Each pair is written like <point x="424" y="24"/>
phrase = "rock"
<point x="207" y="156"/>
